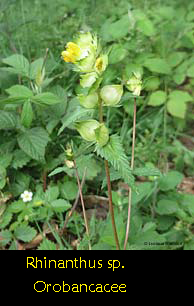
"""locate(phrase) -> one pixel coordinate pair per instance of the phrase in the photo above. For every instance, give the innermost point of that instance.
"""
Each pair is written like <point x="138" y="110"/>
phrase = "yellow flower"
<point x="72" y="53"/>
<point x="101" y="63"/>
<point x="82" y="52"/>
<point x="73" y="48"/>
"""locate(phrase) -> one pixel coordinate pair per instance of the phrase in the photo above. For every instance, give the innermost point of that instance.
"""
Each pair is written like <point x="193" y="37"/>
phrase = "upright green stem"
<point x="111" y="209"/>
<point x="132" y="166"/>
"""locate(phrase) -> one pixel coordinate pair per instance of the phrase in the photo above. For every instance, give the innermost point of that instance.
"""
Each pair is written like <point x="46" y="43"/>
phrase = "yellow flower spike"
<point x="82" y="53"/>
<point x="73" y="48"/>
<point x="68" y="57"/>
<point x="72" y="52"/>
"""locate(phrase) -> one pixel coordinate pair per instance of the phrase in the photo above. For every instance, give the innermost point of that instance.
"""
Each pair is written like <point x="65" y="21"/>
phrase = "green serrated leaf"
<point x="52" y="193"/>
<point x="120" y="28"/>
<point x="180" y="96"/>
<point x="144" y="190"/>
<point x="19" y="63"/>
<point x="27" y="114"/>
<point x="166" y="207"/>
<point x="60" y="205"/>
<point x="170" y="180"/>
<point x="20" y="159"/>
<point x="157" y="98"/>
<point x="117" y="54"/>
<point x="47" y="244"/>
<point x="164" y="222"/>
<point x="88" y="163"/>
<point x="177" y="109"/>
<point x="175" y="58"/>
<point x="157" y="65"/>
<point x="33" y="142"/>
<point x="8" y="120"/>
<point x="5" y="219"/>
<point x="16" y="206"/>
<point x="152" y="83"/>
<point x="114" y="153"/>
<point x="69" y="190"/>
<point x="5" y="237"/>
<point x="190" y="71"/>
<point x="46" y="98"/>
<point x="176" y="105"/>
<point x="58" y="170"/>
<point x="25" y="233"/>
<point x="5" y="160"/>
<point x="146" y="26"/>
<point x="143" y="239"/>
<point x="188" y="203"/>
<point x="179" y="77"/>
<point x="115" y="30"/>
<point x="14" y="100"/>
<point x="14" y="245"/>
<point x="19" y="91"/>
<point x="145" y="171"/>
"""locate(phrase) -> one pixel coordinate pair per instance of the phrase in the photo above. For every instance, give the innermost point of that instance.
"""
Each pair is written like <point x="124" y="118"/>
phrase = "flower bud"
<point x="102" y="135"/>
<point x="90" y="101"/>
<point x="101" y="63"/>
<point x="69" y="151"/>
<point x="40" y="77"/>
<point x="111" y="94"/>
<point x="88" y="79"/>
<point x="69" y="163"/>
<point x="87" y="129"/>
<point x="134" y="84"/>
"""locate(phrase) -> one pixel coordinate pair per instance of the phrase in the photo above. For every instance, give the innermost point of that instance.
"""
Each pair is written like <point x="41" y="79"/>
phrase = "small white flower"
<point x="26" y="196"/>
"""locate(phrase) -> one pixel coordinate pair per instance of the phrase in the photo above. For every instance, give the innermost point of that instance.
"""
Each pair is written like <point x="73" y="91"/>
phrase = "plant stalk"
<point x="132" y="166"/>
<point x="111" y="209"/>
<point x="75" y="203"/>
<point x="44" y="176"/>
